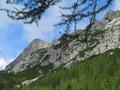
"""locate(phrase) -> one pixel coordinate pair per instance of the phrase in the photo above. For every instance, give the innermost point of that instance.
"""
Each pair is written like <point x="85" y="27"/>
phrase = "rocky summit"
<point x="71" y="48"/>
<point x="34" y="45"/>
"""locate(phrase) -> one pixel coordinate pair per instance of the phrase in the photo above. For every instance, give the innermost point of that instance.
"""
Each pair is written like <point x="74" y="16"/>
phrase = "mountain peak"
<point x="38" y="44"/>
<point x="34" y="45"/>
<point x="37" y="40"/>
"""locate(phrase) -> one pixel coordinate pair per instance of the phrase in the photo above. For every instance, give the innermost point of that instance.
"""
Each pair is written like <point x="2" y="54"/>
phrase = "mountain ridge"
<point x="103" y="36"/>
<point x="34" y="45"/>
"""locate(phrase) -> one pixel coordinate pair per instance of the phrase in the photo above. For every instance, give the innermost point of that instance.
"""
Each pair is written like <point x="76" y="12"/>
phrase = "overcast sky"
<point x="15" y="36"/>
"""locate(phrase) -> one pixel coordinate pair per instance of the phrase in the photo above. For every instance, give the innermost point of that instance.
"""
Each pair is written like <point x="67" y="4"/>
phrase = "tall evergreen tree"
<point x="33" y="10"/>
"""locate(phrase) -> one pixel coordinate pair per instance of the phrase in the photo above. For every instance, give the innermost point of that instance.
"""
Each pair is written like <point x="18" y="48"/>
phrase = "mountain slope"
<point x="73" y="61"/>
<point x="103" y="36"/>
<point x="101" y="72"/>
<point x="19" y="61"/>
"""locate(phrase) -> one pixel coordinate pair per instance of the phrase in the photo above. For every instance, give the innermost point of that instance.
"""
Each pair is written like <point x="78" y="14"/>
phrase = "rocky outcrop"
<point x="74" y="48"/>
<point x="27" y="82"/>
<point x="110" y="16"/>
<point x="34" y="45"/>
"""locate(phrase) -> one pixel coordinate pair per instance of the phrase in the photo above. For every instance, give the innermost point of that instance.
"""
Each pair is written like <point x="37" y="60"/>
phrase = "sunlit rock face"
<point x="110" y="16"/>
<point x="34" y="45"/>
<point x="72" y="48"/>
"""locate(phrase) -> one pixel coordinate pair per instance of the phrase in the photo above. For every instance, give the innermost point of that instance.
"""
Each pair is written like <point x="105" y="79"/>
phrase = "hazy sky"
<point x="15" y="36"/>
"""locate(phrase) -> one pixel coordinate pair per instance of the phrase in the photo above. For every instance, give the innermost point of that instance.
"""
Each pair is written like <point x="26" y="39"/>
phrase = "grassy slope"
<point x="7" y="80"/>
<point x="100" y="72"/>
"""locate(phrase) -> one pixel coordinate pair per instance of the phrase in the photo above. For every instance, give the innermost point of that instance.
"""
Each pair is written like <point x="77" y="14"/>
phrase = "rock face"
<point x="72" y="48"/>
<point x="34" y="45"/>
<point x="110" y="16"/>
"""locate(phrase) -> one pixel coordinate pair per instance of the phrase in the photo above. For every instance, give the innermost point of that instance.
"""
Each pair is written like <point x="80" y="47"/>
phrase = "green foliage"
<point x="33" y="72"/>
<point x="33" y="10"/>
<point x="100" y="72"/>
<point x="7" y="81"/>
<point x="97" y="73"/>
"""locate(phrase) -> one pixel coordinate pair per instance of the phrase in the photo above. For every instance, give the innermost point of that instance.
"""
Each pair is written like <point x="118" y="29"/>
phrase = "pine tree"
<point x="33" y="10"/>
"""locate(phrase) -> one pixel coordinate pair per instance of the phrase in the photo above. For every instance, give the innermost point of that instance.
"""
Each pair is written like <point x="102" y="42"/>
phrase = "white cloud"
<point x="32" y="31"/>
<point x="3" y="63"/>
<point x="5" y="21"/>
<point x="46" y="25"/>
<point x="117" y="5"/>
